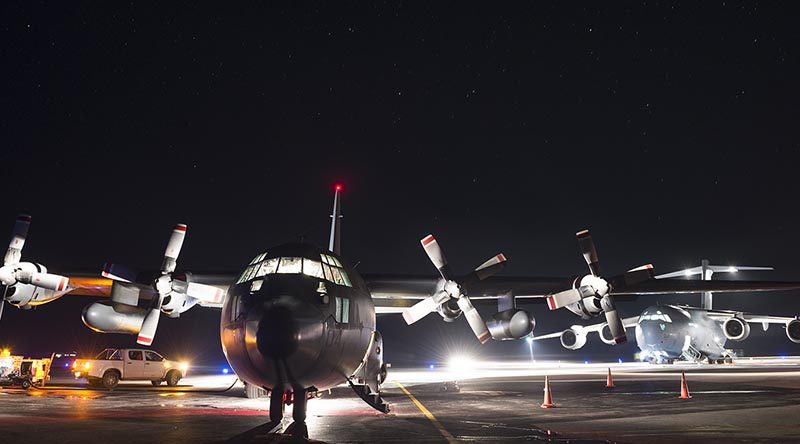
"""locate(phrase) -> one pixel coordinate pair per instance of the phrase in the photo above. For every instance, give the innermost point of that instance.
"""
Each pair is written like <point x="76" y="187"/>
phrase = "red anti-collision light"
<point x="338" y="187"/>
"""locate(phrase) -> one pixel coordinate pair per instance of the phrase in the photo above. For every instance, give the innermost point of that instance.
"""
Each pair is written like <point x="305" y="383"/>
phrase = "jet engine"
<point x="606" y="336"/>
<point x="448" y="311"/>
<point x="513" y="323"/>
<point x="573" y="338"/>
<point x="736" y="329"/>
<point x="108" y="317"/>
<point x="793" y="331"/>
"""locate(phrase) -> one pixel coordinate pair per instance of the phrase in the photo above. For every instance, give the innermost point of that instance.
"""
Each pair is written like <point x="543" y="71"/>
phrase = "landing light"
<point x="5" y="353"/>
<point x="184" y="366"/>
<point x="732" y="270"/>
<point x="225" y="371"/>
<point x="529" y="340"/>
<point x="687" y="272"/>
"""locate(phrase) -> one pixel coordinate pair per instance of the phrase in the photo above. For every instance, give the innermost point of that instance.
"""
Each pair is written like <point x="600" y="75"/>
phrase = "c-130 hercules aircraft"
<point x="299" y="319"/>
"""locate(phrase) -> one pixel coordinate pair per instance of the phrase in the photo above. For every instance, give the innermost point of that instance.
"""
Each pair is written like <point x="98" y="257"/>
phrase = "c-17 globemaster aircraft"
<point x="299" y="319"/>
<point x="665" y="333"/>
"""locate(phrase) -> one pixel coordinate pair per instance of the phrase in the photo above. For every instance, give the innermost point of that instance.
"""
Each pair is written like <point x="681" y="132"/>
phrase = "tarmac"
<point x="750" y="401"/>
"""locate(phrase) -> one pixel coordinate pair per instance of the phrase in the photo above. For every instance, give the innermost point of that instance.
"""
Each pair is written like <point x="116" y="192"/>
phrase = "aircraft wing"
<point x="722" y="315"/>
<point x="393" y="293"/>
<point x="673" y="286"/>
<point x="130" y="292"/>
<point x="627" y="323"/>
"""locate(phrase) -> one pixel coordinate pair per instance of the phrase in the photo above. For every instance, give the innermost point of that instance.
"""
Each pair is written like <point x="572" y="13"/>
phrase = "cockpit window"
<point x="258" y="258"/>
<point x="656" y="317"/>
<point x="290" y="265"/>
<point x="330" y="268"/>
<point x="337" y="275"/>
<point x="312" y="268"/>
<point x="268" y="267"/>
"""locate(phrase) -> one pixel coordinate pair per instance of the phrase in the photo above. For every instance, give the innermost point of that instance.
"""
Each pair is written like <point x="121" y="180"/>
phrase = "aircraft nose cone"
<point x="289" y="331"/>
<point x="277" y="336"/>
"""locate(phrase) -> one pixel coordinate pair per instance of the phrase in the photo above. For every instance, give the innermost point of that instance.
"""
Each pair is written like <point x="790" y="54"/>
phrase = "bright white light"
<point x="687" y="272"/>
<point x="461" y="362"/>
<point x="225" y="370"/>
<point x="529" y="339"/>
<point x="732" y="270"/>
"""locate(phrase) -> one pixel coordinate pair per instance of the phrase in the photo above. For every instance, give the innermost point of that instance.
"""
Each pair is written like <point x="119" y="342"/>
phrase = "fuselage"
<point x="668" y="332"/>
<point x="297" y="316"/>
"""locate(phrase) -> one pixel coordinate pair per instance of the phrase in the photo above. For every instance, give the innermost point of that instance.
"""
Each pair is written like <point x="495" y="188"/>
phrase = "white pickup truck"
<point x="121" y="364"/>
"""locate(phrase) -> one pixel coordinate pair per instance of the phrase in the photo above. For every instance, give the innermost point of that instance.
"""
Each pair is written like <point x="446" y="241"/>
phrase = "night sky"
<point x="669" y="129"/>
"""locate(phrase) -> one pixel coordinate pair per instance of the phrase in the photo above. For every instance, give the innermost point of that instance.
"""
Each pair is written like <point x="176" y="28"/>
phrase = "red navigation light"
<point x="338" y="187"/>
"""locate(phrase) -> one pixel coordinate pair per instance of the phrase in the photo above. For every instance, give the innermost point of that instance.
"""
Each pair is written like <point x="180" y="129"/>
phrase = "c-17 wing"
<point x="723" y="315"/>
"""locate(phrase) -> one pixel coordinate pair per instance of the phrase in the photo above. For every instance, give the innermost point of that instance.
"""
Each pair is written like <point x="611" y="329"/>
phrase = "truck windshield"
<point x="109" y="354"/>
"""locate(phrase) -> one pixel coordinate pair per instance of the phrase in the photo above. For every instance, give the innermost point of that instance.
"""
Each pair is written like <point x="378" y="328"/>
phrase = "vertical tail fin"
<point x="334" y="244"/>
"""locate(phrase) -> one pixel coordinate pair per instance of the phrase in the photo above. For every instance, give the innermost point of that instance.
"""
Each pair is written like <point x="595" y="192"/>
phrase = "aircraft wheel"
<point x="110" y="379"/>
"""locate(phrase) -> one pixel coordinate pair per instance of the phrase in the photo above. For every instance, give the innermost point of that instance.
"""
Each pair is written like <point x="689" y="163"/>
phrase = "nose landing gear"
<point x="298" y="396"/>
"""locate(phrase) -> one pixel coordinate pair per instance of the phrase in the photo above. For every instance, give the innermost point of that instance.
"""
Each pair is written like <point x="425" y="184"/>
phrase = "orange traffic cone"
<point x="548" y="398"/>
<point x="684" y="387"/>
<point x="609" y="380"/>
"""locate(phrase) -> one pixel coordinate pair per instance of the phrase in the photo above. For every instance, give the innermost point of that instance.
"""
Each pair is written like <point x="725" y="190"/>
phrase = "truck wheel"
<point x="110" y="379"/>
<point x="155" y="382"/>
<point x="173" y="377"/>
<point x="26" y="384"/>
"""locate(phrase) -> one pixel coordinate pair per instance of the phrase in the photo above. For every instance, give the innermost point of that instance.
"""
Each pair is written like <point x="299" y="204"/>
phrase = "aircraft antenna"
<point x="334" y="244"/>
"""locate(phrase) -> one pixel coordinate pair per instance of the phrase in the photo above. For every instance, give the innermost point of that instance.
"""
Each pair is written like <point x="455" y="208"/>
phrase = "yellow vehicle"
<point x="27" y="372"/>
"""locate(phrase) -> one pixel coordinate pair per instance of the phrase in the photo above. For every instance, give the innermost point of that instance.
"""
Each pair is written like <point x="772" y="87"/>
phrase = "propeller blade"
<point x="476" y="322"/>
<point x="487" y="269"/>
<point x="419" y="310"/>
<point x="149" y="327"/>
<point x="173" y="248"/>
<point x="118" y="272"/>
<point x="47" y="280"/>
<point x="3" y="301"/>
<point x="436" y="255"/>
<point x="14" y="252"/>
<point x="567" y="297"/>
<point x="422" y="308"/>
<point x="589" y="251"/>
<point x="633" y="277"/>
<point x="205" y="293"/>
<point x="563" y="298"/>
<point x="612" y="318"/>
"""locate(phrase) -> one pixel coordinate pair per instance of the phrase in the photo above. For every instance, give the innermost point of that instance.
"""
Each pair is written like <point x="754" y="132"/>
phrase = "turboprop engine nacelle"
<point x="793" y="331"/>
<point x="736" y="329"/>
<point x="513" y="323"/>
<point x="448" y="312"/>
<point x="107" y="317"/>
<point x="587" y="308"/>
<point x="573" y="338"/>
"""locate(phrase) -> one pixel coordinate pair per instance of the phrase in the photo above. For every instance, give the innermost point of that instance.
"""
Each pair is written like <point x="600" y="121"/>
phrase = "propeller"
<point x="165" y="285"/>
<point x="13" y="272"/>
<point x="452" y="288"/>
<point x="595" y="286"/>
